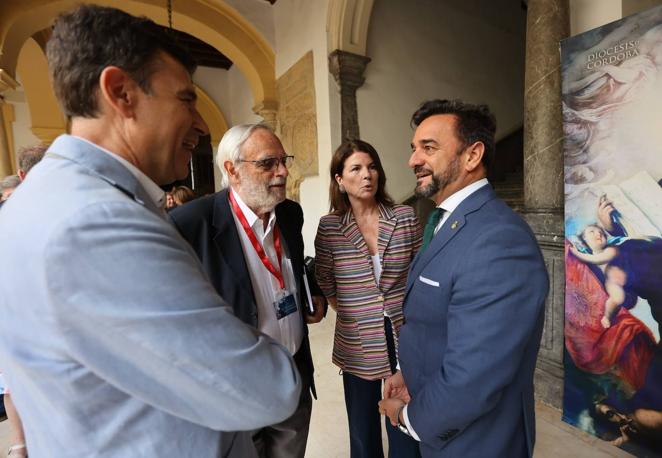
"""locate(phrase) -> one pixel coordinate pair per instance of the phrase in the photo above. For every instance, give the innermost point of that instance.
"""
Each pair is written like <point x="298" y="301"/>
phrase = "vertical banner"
<point x="612" y="115"/>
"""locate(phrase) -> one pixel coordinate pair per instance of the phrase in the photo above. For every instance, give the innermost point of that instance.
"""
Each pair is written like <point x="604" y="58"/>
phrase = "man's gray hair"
<point x="229" y="149"/>
<point x="29" y="157"/>
<point x="9" y="182"/>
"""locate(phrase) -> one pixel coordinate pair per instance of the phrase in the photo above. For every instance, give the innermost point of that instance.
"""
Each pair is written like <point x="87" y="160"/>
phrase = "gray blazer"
<point x="113" y="340"/>
<point x="474" y="309"/>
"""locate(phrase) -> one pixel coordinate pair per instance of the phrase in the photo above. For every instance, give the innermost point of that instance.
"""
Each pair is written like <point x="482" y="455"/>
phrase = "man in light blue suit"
<point x="114" y="342"/>
<point x="474" y="304"/>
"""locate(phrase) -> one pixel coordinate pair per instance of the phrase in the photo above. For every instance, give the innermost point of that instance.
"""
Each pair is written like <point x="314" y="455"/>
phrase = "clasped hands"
<point x="395" y="397"/>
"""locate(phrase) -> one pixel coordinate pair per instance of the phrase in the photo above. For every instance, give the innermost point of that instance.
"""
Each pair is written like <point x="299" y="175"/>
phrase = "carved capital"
<point x="347" y="69"/>
<point x="268" y="109"/>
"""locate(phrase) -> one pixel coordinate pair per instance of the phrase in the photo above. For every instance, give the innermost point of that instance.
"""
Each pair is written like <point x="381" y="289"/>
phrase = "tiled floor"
<point x="328" y="431"/>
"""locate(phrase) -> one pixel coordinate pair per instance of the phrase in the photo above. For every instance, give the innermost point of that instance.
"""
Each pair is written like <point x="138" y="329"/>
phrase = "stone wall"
<point x="297" y="121"/>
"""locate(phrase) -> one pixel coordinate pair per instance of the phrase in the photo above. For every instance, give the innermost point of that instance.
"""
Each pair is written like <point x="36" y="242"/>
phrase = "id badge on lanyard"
<point x="285" y="304"/>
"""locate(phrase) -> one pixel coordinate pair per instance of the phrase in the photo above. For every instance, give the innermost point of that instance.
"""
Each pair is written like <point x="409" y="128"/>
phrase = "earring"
<point x="341" y="188"/>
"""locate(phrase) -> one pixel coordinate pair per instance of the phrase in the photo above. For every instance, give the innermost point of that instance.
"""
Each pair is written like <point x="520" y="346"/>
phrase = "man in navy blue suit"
<point x="474" y="305"/>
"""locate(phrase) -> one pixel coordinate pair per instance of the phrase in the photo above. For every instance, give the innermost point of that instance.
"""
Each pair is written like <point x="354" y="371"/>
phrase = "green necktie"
<point x="433" y="220"/>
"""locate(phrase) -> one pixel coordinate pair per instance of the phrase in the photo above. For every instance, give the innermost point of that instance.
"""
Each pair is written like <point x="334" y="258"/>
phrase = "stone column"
<point x="547" y="23"/>
<point x="6" y="167"/>
<point x="347" y="69"/>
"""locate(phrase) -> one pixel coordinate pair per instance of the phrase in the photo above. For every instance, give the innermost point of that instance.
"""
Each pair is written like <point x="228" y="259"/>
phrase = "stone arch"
<point x="215" y="23"/>
<point x="47" y="119"/>
<point x="347" y="25"/>
<point x="212" y="115"/>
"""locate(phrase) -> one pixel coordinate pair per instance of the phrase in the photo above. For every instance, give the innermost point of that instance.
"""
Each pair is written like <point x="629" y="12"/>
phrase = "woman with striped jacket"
<point x="363" y="251"/>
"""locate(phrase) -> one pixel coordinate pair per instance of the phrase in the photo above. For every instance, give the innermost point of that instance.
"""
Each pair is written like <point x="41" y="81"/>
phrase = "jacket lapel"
<point x="350" y="229"/>
<point x="285" y="230"/>
<point x="387" y="224"/>
<point x="289" y="236"/>
<point x="227" y="240"/>
<point x="452" y="226"/>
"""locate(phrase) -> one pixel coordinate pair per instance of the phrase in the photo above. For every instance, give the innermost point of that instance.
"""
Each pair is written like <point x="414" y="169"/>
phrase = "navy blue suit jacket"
<point x="474" y="312"/>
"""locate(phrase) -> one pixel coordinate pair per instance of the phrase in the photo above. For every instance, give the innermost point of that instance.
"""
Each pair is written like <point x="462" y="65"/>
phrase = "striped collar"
<point x="385" y="213"/>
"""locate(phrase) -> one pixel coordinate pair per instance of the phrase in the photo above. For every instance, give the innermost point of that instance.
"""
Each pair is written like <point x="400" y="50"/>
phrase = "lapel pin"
<point x="454" y="225"/>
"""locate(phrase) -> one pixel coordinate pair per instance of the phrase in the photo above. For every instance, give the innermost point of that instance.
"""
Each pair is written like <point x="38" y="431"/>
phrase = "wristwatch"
<point x="401" y="426"/>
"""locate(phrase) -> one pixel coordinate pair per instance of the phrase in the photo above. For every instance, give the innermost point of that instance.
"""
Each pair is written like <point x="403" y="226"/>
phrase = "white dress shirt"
<point x="449" y="205"/>
<point x="377" y="269"/>
<point x="288" y="331"/>
<point x="454" y="200"/>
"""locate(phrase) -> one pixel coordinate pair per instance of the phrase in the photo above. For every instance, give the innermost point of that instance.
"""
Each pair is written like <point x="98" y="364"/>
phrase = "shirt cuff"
<point x="408" y="425"/>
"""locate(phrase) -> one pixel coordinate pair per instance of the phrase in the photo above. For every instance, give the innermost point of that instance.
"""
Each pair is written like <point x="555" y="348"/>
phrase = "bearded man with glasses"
<point x="248" y="237"/>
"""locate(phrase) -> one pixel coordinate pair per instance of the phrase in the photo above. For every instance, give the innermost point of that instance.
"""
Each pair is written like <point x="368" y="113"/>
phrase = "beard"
<point x="439" y="180"/>
<point x="259" y="196"/>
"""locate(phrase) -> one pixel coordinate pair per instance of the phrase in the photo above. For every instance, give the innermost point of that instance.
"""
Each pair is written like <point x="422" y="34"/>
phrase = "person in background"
<point x="364" y="248"/>
<point x="169" y="201"/>
<point x="27" y="158"/>
<point x="181" y="195"/>
<point x="8" y="185"/>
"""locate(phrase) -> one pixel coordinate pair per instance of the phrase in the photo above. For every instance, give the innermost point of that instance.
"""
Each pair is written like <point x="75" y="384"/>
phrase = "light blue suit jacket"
<point x="474" y="312"/>
<point x="112" y="339"/>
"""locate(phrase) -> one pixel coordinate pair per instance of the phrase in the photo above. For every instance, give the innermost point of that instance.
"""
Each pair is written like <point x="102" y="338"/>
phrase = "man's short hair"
<point x="229" y="149"/>
<point x="90" y="38"/>
<point x="29" y="156"/>
<point x="9" y="182"/>
<point x="475" y="123"/>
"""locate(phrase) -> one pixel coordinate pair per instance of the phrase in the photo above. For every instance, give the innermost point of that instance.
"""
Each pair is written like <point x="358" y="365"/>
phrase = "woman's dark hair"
<point x="182" y="194"/>
<point x="339" y="202"/>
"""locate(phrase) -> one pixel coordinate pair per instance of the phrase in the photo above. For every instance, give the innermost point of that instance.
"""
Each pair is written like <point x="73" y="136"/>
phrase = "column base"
<point x="548" y="227"/>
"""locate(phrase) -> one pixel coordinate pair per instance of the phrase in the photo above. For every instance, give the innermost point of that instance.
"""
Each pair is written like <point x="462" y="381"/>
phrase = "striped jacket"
<point x="344" y="270"/>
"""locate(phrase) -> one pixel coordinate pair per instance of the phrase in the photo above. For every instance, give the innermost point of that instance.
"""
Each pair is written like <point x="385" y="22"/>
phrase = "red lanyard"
<point x="258" y="248"/>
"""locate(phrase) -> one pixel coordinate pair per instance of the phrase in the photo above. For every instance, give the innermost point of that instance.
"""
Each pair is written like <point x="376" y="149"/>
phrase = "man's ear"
<point x="21" y="174"/>
<point x="230" y="169"/>
<point x="475" y="154"/>
<point x="118" y="91"/>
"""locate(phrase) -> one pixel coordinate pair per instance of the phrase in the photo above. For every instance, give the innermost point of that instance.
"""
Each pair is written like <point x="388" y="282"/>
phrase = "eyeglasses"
<point x="271" y="163"/>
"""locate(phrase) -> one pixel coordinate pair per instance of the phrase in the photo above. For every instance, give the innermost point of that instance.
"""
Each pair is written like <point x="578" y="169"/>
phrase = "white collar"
<point x="454" y="200"/>
<point x="153" y="190"/>
<point x="251" y="217"/>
